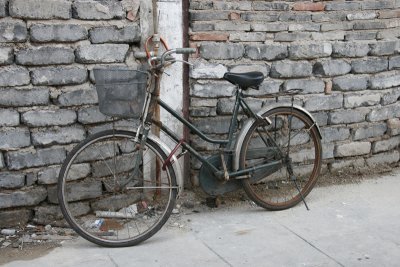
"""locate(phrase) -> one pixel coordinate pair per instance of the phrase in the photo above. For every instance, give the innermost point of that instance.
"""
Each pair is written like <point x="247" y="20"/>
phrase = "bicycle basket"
<point x="121" y="91"/>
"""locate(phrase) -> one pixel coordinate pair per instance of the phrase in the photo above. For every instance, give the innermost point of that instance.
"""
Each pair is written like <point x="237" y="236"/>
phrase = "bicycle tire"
<point x="278" y="190"/>
<point x="101" y="203"/>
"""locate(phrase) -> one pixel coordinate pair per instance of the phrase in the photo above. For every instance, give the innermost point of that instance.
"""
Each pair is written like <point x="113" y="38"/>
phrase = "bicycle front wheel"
<point x="292" y="144"/>
<point x="113" y="192"/>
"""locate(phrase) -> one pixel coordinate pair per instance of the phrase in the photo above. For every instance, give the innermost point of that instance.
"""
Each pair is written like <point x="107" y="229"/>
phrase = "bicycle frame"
<point x="227" y="144"/>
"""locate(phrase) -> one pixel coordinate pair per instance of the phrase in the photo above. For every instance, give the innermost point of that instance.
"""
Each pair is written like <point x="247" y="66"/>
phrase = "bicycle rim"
<point x="291" y="140"/>
<point x="110" y="198"/>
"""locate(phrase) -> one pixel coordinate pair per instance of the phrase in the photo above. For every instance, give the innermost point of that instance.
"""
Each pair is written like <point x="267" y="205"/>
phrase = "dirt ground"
<point x="193" y="201"/>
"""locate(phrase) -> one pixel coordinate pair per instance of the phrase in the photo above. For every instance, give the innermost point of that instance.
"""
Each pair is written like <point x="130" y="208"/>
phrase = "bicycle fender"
<point x="176" y="165"/>
<point x="246" y="127"/>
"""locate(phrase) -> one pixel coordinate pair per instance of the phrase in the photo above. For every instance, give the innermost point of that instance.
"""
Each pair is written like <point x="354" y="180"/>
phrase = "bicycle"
<point x="118" y="188"/>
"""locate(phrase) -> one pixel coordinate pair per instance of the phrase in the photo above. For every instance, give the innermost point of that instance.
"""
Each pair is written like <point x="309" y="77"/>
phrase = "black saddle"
<point x="245" y="80"/>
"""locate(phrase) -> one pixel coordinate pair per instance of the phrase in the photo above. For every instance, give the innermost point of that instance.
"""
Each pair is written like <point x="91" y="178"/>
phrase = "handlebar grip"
<point x="186" y="50"/>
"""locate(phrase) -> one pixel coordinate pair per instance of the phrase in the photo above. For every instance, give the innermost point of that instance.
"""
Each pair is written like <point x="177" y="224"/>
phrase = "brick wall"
<point x="48" y="102"/>
<point x="344" y="54"/>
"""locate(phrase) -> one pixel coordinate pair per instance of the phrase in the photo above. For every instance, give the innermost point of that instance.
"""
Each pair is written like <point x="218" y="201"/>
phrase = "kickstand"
<point x="301" y="194"/>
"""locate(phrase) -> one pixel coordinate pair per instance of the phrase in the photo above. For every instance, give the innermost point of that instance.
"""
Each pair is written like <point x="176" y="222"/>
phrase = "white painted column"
<point x="170" y="28"/>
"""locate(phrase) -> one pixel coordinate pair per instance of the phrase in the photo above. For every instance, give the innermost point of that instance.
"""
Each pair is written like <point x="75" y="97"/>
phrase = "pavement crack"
<point x="216" y="253"/>
<point x="313" y="246"/>
<point x="113" y="261"/>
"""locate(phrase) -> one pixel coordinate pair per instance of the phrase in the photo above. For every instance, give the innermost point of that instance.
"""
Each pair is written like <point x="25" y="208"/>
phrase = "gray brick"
<point x="13" y="31"/>
<point x="213" y="89"/>
<point x="92" y="115"/>
<point x="362" y="16"/>
<point x="391" y="96"/>
<point x="324" y="102"/>
<point x="353" y="149"/>
<point x="368" y="5"/>
<point x="225" y="106"/>
<point x="350" y="83"/>
<point x="203" y="102"/>
<point x="59" y="76"/>
<point x="268" y="6"/>
<point x="386" y="145"/>
<point x="266" y="17"/>
<point x="40" y="9"/>
<point x="369" y="25"/>
<point x="127" y="34"/>
<point x="2" y="163"/>
<point x="3" y="10"/>
<point x="332" y="134"/>
<point x="201" y="27"/>
<point x="78" y="191"/>
<point x="248" y="37"/>
<point x="291" y="69"/>
<point x="329" y="16"/>
<point x="394" y="62"/>
<point x="342" y="6"/>
<point x="201" y="5"/>
<point x="29" y="197"/>
<point x="46" y="55"/>
<point x="310" y="27"/>
<point x="203" y="112"/>
<point x="35" y="158"/>
<point x="64" y="135"/>
<point x="12" y="138"/>
<point x="389" y="33"/>
<point x="11" y="218"/>
<point x="269" y="27"/>
<point x="307" y="85"/>
<point x="14" y="76"/>
<point x="209" y="15"/>
<point x="291" y="36"/>
<point x="267" y="52"/>
<point x="6" y="55"/>
<point x="78" y="97"/>
<point x="267" y="87"/>
<point x="310" y="51"/>
<point x="295" y="16"/>
<point x="97" y="10"/>
<point x="240" y="5"/>
<point x="340" y="165"/>
<point x="348" y="116"/>
<point x="331" y="68"/>
<point x="383" y="158"/>
<point x="219" y="125"/>
<point x="393" y="126"/>
<point x="102" y="53"/>
<point x="361" y="35"/>
<point x="370" y="130"/>
<point x="40" y="118"/>
<point x="31" y="178"/>
<point x="369" y="65"/>
<point x="221" y="51"/>
<point x="9" y="180"/>
<point x="383" y="48"/>
<point x="327" y="151"/>
<point x="328" y="36"/>
<point x="204" y="70"/>
<point x="384" y="113"/>
<point x="361" y="100"/>
<point x="58" y="33"/>
<point x="24" y="97"/>
<point x="350" y="49"/>
<point x="232" y="26"/>
<point x="50" y="175"/>
<point x="9" y="117"/>
<point x="385" y="80"/>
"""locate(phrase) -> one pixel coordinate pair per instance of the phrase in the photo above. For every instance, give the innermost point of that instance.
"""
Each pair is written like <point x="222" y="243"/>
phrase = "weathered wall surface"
<point x="48" y="102"/>
<point x="344" y="54"/>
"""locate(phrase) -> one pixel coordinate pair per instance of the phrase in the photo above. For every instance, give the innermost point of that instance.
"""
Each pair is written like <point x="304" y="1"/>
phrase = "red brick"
<point x="308" y="6"/>
<point x="234" y="16"/>
<point x="209" y="37"/>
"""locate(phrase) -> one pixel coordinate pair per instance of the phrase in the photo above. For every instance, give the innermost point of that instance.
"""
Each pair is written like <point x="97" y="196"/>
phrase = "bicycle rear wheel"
<point x="109" y="197"/>
<point x="292" y="141"/>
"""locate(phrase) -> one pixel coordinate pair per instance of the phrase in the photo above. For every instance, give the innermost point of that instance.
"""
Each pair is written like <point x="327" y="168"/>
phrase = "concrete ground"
<point x="348" y="225"/>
